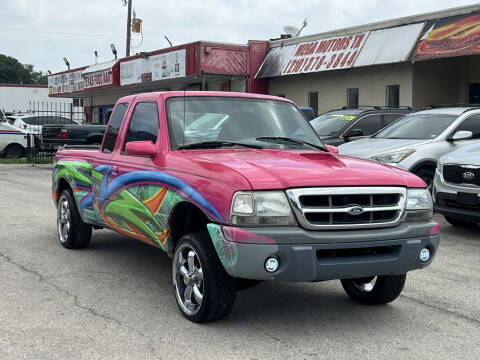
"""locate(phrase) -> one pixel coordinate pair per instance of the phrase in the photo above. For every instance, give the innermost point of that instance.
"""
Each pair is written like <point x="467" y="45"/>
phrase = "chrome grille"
<point x="348" y="207"/>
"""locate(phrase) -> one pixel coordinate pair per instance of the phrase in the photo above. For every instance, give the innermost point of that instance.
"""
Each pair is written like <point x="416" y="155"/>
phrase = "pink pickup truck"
<point x="238" y="188"/>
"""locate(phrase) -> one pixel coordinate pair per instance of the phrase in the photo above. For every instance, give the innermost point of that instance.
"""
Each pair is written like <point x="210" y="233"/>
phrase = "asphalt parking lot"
<point x="114" y="300"/>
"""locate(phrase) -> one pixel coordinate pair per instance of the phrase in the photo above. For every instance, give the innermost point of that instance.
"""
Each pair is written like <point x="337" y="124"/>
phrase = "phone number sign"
<point x="326" y="54"/>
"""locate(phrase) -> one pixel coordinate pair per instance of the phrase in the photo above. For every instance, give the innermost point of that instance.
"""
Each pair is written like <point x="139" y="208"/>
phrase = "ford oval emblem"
<point x="356" y="210"/>
<point x="468" y="175"/>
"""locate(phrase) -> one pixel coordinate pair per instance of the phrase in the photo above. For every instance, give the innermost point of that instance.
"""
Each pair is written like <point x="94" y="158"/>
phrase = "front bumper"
<point x="323" y="255"/>
<point x="446" y="200"/>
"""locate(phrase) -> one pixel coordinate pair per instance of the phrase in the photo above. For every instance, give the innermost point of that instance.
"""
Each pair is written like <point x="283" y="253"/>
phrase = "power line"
<point x="59" y="33"/>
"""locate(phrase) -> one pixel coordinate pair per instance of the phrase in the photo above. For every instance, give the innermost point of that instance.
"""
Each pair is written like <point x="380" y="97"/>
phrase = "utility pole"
<point x="129" y="27"/>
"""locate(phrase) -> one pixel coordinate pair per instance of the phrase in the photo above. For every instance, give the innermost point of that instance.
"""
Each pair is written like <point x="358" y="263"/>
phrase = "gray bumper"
<point x="341" y="254"/>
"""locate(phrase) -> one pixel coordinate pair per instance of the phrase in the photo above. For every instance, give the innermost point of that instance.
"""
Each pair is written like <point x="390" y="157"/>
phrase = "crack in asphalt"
<point x="76" y="302"/>
<point x="442" y="310"/>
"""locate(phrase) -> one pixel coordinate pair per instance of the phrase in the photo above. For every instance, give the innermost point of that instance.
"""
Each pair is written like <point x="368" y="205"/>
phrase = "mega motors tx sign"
<point x="326" y="54"/>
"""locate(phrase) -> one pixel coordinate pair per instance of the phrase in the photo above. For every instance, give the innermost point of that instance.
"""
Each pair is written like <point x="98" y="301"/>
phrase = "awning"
<point x="100" y="67"/>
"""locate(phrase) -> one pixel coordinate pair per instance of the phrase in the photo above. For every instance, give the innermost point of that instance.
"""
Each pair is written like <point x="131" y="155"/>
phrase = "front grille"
<point x="462" y="174"/>
<point x="348" y="207"/>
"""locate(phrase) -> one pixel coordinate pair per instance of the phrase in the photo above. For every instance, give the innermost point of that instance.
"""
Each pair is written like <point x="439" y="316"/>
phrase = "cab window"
<point x="113" y="127"/>
<point x="369" y="124"/>
<point x="144" y="123"/>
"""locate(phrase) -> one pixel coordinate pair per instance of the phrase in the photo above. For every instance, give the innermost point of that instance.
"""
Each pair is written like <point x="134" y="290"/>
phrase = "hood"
<point x="280" y="169"/>
<point x="466" y="155"/>
<point x="368" y="147"/>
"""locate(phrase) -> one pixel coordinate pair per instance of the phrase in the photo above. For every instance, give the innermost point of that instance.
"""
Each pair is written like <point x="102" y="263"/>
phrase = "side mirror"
<point x="142" y="148"/>
<point x="332" y="149"/>
<point x="353" y="133"/>
<point x="462" y="135"/>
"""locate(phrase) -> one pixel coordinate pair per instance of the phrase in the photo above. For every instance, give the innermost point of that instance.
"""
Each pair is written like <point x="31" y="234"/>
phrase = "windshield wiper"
<point x="217" y="144"/>
<point x="289" y="140"/>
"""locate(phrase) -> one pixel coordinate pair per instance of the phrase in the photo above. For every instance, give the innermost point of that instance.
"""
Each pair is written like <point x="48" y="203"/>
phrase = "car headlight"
<point x="419" y="205"/>
<point x="392" y="158"/>
<point x="261" y="208"/>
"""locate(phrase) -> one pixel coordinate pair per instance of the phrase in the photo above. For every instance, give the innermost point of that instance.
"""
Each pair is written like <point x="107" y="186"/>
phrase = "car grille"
<point x="348" y="207"/>
<point x="462" y="174"/>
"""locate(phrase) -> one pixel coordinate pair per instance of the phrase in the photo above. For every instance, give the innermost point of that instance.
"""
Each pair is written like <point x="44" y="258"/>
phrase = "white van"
<point x="13" y="142"/>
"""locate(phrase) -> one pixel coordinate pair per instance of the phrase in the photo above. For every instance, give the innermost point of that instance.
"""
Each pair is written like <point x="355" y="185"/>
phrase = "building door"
<point x="474" y="93"/>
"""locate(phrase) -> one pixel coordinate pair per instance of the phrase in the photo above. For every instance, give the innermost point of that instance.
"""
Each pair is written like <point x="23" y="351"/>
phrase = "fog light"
<point x="271" y="264"/>
<point x="424" y="255"/>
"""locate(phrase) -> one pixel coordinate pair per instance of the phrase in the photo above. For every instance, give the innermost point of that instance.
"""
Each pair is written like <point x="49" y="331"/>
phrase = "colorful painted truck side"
<point x="238" y="188"/>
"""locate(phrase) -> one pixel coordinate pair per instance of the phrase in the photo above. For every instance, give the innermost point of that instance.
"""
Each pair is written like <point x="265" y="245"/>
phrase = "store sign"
<point x="326" y="54"/>
<point x="99" y="78"/>
<point x="448" y="37"/>
<point x="65" y="83"/>
<point x="153" y="68"/>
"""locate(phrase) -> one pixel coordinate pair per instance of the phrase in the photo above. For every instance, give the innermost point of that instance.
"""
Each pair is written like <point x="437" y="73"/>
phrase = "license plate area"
<point x="467" y="199"/>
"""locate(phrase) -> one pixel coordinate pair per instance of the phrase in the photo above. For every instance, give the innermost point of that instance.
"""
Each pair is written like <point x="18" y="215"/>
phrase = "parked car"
<point x="417" y="141"/>
<point x="13" y="142"/>
<point x="266" y="200"/>
<point x="457" y="186"/>
<point x="308" y="112"/>
<point x="339" y="126"/>
<point x="32" y="124"/>
<point x="71" y="134"/>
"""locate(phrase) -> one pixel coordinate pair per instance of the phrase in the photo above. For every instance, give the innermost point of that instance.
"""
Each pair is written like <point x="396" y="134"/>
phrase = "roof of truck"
<point x="202" y="93"/>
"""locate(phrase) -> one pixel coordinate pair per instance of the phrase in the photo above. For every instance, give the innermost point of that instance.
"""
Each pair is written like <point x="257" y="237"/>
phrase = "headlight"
<point x="392" y="158"/>
<point x="261" y="208"/>
<point x="419" y="205"/>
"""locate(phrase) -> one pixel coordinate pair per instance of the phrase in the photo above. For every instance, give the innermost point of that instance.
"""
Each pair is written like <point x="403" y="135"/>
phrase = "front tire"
<point x="14" y="151"/>
<point x="203" y="290"/>
<point x="72" y="232"/>
<point x="427" y="175"/>
<point x="377" y="290"/>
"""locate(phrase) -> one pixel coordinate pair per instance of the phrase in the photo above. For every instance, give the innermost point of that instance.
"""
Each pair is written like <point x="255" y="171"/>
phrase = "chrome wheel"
<point x="188" y="279"/>
<point x="63" y="220"/>
<point x="365" y="284"/>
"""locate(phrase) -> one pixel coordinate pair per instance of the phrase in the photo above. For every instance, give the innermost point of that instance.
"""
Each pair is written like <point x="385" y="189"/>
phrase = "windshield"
<point x="224" y="120"/>
<point x="417" y="126"/>
<point x="332" y="123"/>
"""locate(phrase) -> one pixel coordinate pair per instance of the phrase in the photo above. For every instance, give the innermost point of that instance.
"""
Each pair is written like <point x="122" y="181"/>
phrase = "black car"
<point x="347" y="124"/>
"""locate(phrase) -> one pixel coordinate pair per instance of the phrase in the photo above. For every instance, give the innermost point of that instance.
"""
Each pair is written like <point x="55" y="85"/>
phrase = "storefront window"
<point x="393" y="96"/>
<point x="352" y="97"/>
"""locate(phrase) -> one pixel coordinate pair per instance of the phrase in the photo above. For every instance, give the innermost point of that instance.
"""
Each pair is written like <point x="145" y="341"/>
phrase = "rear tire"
<point x="374" y="290"/>
<point x="203" y="290"/>
<point x="459" y="223"/>
<point x="72" y="232"/>
<point x="14" y="151"/>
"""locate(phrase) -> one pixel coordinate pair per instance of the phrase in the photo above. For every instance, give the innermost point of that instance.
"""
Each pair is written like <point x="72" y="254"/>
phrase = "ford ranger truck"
<point x="258" y="197"/>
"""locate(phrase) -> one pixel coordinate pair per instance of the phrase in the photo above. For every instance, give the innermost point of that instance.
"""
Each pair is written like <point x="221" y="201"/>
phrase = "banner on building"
<point x="449" y="37"/>
<point x="326" y="54"/>
<point x="152" y="68"/>
<point x="65" y="83"/>
<point x="103" y="74"/>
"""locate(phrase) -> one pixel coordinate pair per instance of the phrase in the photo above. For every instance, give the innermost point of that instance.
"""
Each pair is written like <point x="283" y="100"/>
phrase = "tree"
<point x="14" y="72"/>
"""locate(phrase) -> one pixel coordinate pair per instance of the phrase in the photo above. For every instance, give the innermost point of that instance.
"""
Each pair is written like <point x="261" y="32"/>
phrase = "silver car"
<point x="416" y="141"/>
<point x="456" y="190"/>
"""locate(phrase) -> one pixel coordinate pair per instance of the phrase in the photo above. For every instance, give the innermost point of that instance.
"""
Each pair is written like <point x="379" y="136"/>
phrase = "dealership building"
<point x="195" y="66"/>
<point x="415" y="61"/>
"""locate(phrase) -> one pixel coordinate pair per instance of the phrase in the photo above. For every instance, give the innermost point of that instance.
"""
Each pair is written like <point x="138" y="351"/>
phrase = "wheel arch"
<point x="24" y="149"/>
<point x="429" y="164"/>
<point x="185" y="218"/>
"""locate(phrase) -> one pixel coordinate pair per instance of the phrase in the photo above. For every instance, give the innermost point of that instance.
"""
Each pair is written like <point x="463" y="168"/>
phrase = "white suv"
<point x="416" y="141"/>
<point x="13" y="142"/>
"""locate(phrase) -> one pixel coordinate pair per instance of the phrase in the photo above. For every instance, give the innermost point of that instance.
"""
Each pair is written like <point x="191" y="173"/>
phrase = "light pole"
<point x="129" y="25"/>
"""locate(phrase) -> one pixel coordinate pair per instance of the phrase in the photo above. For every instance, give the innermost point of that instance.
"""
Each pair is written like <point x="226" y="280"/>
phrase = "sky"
<point x="42" y="32"/>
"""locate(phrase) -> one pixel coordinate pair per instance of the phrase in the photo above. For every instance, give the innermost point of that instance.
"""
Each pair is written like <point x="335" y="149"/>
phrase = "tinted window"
<point x="113" y="127"/>
<point x="144" y="123"/>
<point x="417" y="126"/>
<point x="54" y="120"/>
<point x="333" y="122"/>
<point x="369" y="124"/>
<point x="390" y="118"/>
<point x="472" y="124"/>
<point x="30" y="120"/>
